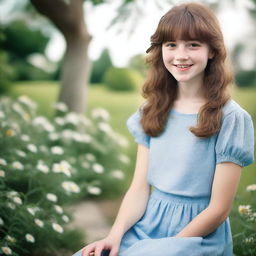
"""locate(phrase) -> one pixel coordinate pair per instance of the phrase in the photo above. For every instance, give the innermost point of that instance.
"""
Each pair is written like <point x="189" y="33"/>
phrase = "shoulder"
<point x="233" y="109"/>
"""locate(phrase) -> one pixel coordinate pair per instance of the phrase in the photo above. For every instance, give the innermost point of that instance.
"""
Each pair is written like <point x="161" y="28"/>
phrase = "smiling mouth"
<point x="183" y="65"/>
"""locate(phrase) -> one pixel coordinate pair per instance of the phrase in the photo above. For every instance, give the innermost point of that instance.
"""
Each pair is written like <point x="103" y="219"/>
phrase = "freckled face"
<point x="186" y="60"/>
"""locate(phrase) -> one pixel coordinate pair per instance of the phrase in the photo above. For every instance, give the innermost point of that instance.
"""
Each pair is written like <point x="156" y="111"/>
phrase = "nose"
<point x="181" y="54"/>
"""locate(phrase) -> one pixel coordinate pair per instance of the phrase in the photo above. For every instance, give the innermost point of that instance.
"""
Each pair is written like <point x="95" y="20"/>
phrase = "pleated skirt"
<point x="165" y="216"/>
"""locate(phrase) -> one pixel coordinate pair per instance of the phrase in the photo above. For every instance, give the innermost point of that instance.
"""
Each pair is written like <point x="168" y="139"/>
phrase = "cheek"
<point x="166" y="57"/>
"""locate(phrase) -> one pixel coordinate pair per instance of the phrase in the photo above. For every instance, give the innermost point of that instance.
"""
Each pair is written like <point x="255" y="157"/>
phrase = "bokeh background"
<point x="71" y="73"/>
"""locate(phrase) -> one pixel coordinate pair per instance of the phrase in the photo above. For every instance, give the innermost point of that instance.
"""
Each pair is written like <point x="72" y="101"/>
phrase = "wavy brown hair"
<point x="189" y="21"/>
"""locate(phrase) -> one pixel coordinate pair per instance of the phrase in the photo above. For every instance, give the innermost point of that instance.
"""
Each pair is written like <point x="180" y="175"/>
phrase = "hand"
<point x="108" y="243"/>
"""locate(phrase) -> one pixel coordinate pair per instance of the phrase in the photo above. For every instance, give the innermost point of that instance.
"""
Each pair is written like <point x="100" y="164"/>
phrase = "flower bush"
<point x="47" y="164"/>
<point x="245" y="241"/>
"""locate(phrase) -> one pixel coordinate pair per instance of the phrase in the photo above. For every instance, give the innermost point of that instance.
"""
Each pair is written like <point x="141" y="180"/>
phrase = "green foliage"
<point x="137" y="63"/>
<point x="45" y="165"/>
<point x="20" y="40"/>
<point x="100" y="66"/>
<point x="122" y="79"/>
<point x="245" y="240"/>
<point x="246" y="78"/>
<point x="6" y="70"/>
<point x="24" y="71"/>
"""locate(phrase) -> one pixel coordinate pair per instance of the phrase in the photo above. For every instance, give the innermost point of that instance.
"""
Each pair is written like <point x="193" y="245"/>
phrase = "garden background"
<point x="61" y="149"/>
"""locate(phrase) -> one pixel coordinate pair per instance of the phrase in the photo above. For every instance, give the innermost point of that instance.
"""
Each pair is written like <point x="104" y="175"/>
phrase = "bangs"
<point x="183" y="25"/>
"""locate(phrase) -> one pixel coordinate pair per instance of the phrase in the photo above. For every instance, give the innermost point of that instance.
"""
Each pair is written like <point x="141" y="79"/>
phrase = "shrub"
<point x="44" y="165"/>
<point x="245" y="241"/>
<point x="122" y="79"/>
<point x="246" y="78"/>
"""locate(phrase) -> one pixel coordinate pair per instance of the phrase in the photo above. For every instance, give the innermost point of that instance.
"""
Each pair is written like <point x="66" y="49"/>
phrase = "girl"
<point x="193" y="141"/>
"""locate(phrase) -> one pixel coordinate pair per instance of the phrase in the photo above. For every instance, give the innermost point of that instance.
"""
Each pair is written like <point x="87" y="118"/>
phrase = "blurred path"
<point x="94" y="217"/>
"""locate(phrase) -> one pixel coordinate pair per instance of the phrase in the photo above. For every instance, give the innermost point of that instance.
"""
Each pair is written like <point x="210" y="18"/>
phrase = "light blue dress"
<point x="181" y="172"/>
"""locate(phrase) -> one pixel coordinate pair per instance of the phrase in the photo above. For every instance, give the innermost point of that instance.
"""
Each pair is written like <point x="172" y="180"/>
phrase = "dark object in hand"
<point x="105" y="252"/>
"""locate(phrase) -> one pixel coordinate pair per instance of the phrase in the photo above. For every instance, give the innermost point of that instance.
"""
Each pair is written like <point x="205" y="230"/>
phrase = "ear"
<point x="211" y="55"/>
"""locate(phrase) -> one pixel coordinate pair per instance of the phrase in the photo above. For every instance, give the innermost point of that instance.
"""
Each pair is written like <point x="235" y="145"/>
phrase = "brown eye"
<point x="171" y="45"/>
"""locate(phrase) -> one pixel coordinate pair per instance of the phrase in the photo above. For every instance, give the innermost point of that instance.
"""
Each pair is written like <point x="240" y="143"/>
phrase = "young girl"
<point x="193" y="141"/>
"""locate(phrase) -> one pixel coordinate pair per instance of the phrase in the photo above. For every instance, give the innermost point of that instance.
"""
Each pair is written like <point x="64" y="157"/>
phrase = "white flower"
<point x="85" y="164"/>
<point x="61" y="106"/>
<point x="32" y="210"/>
<point x="65" y="218"/>
<point x="121" y="140"/>
<point x="105" y="127"/>
<point x="17" y="165"/>
<point x="2" y="173"/>
<point x="85" y="121"/>
<point x="6" y="250"/>
<point x="100" y="113"/>
<point x="43" y="148"/>
<point x="30" y="238"/>
<point x="10" y="239"/>
<point x="85" y="138"/>
<point x="51" y="197"/>
<point x="42" y="167"/>
<point x="118" y="174"/>
<point x="17" y="200"/>
<point x="20" y="153"/>
<point x="32" y="148"/>
<point x="39" y="223"/>
<point x="248" y="240"/>
<point x="72" y="118"/>
<point x="62" y="167"/>
<point x="244" y="209"/>
<point x="67" y="134"/>
<point x="2" y="114"/>
<point x="251" y="188"/>
<point x="58" y="228"/>
<point x="57" y="150"/>
<point x="18" y="109"/>
<point x="77" y="137"/>
<point x="90" y="157"/>
<point x="60" y="121"/>
<point x="124" y="158"/>
<point x="93" y="190"/>
<point x="1" y="222"/>
<point x="2" y="162"/>
<point x="27" y="101"/>
<point x="58" y="209"/>
<point x="25" y="137"/>
<point x="97" y="168"/>
<point x="12" y="194"/>
<point x="70" y="186"/>
<point x="11" y="206"/>
<point x="44" y="123"/>
<point x="54" y="136"/>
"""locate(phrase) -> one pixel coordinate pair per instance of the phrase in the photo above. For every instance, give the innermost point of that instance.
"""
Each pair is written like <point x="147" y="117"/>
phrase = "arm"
<point x="135" y="200"/>
<point x="225" y="184"/>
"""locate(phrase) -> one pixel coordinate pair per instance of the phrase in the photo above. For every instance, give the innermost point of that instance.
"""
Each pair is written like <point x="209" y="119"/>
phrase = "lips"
<point x="183" y="67"/>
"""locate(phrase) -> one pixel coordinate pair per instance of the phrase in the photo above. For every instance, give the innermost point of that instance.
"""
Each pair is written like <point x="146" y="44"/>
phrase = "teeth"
<point x="183" y="66"/>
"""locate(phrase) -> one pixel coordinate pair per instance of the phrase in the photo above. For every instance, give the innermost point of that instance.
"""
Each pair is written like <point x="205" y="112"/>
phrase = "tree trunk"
<point x="68" y="17"/>
<point x="75" y="73"/>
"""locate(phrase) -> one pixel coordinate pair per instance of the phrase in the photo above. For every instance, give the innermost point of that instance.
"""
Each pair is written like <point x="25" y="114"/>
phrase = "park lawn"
<point x="121" y="105"/>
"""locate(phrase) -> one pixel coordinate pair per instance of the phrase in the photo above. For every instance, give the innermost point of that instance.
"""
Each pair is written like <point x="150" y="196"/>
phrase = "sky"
<point x="234" y="20"/>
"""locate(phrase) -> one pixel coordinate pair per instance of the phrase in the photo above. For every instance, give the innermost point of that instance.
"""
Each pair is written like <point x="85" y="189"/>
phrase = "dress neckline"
<point x="183" y="114"/>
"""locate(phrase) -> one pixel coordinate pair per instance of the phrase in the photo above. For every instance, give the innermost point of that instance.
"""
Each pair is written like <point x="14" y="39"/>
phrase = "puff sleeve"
<point x="235" y="140"/>
<point x="135" y="128"/>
